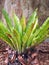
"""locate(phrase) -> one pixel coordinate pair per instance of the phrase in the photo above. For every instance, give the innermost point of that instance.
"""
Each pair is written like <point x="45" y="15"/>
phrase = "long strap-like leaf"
<point x="6" y="32"/>
<point x="18" y="27"/>
<point x="29" y="26"/>
<point x="6" y="39"/>
<point x="40" y="32"/>
<point x="8" y="20"/>
<point x="23" y="23"/>
<point x="32" y="33"/>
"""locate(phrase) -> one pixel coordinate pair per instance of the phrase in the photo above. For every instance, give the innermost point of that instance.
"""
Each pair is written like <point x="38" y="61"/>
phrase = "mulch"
<point x="39" y="57"/>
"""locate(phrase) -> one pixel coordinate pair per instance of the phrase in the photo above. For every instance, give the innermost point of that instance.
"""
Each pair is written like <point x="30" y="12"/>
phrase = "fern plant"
<point x="21" y="35"/>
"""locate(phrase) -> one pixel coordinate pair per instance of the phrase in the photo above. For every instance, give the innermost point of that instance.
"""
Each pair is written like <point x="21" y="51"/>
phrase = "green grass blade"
<point x="23" y="23"/>
<point x="18" y="28"/>
<point x="3" y="27"/>
<point x="17" y="23"/>
<point x="6" y="32"/>
<point x="29" y="26"/>
<point x="32" y="33"/>
<point x="5" y="38"/>
<point x="37" y="40"/>
<point x="17" y="36"/>
<point x="43" y="27"/>
<point x="40" y="32"/>
<point x="8" y="20"/>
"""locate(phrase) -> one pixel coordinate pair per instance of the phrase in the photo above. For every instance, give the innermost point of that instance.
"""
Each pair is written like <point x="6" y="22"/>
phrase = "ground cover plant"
<point x="20" y="35"/>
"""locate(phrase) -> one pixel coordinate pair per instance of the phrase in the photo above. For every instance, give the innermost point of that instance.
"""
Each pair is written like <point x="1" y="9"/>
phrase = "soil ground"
<point x="39" y="58"/>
